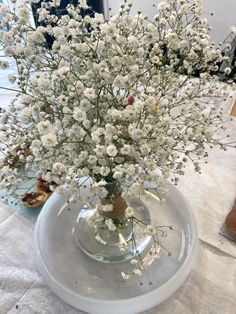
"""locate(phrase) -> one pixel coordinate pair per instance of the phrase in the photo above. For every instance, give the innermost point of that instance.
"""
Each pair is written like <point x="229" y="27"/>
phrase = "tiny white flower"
<point x="36" y="143"/>
<point x="79" y="87"/>
<point x="131" y="170"/>
<point x="126" y="149"/>
<point x="122" y="243"/>
<point x="109" y="223"/>
<point x="26" y="112"/>
<point x="125" y="275"/>
<point x="103" y="192"/>
<point x="145" y="149"/>
<point x="155" y="59"/>
<point x="47" y="176"/>
<point x="120" y="81"/>
<point x="111" y="150"/>
<point x="150" y="230"/>
<point x="137" y="272"/>
<point x="129" y="212"/>
<point x="233" y="30"/>
<point x="92" y="159"/>
<point x="227" y="70"/>
<point x="100" y="240"/>
<point x="83" y="4"/>
<point x="63" y="70"/>
<point x="79" y="115"/>
<point x="90" y="93"/>
<point x="49" y="140"/>
<point x="107" y="208"/>
<point x="133" y="261"/>
<point x="3" y="136"/>
<point x="162" y="6"/>
<point x="133" y="41"/>
<point x="44" y="127"/>
<point x="58" y="168"/>
<point x="104" y="171"/>
<point x="11" y="78"/>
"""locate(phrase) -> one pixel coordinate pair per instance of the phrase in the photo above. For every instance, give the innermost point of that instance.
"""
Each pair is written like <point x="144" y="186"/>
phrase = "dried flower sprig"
<point x="88" y="104"/>
<point x="109" y="99"/>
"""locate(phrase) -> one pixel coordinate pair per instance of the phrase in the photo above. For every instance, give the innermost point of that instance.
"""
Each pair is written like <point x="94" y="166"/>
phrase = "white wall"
<point x="224" y="16"/>
<point x="224" y="13"/>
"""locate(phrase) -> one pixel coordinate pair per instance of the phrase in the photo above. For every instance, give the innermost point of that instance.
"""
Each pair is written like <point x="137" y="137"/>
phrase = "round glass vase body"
<point x="109" y="236"/>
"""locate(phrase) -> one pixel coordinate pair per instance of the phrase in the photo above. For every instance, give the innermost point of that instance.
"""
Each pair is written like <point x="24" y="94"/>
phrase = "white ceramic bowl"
<point x="98" y="288"/>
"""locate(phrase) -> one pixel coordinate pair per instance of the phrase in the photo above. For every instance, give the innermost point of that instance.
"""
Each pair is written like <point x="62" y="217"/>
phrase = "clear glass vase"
<point x="109" y="236"/>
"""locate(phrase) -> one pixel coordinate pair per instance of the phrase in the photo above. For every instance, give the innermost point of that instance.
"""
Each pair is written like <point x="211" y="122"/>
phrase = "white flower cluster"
<point x="109" y="99"/>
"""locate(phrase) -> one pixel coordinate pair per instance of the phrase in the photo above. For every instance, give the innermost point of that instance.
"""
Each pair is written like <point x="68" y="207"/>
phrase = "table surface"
<point x="211" y="285"/>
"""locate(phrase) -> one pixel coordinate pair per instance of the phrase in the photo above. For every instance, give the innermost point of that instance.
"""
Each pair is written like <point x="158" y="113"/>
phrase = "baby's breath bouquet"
<point x="109" y="100"/>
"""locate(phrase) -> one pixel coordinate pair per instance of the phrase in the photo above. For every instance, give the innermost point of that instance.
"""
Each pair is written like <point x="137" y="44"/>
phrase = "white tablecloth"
<point x="211" y="286"/>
